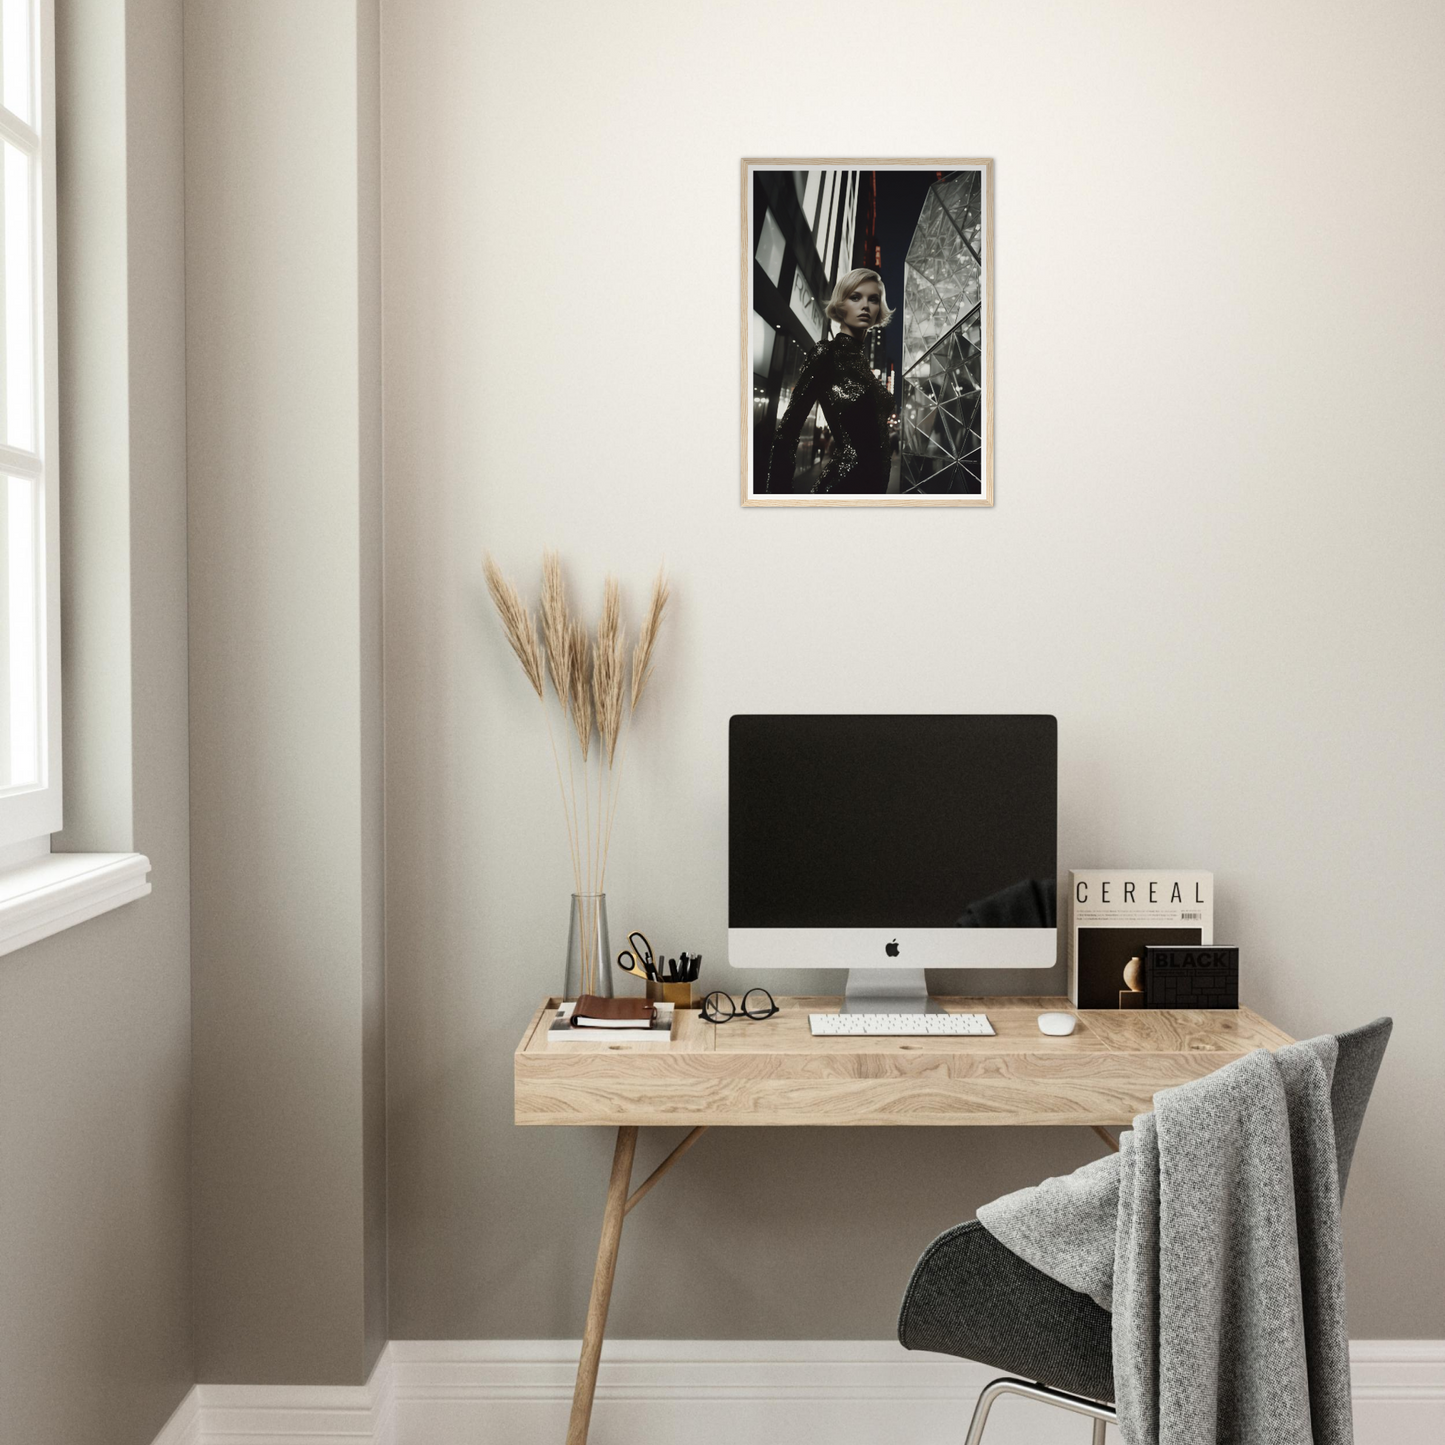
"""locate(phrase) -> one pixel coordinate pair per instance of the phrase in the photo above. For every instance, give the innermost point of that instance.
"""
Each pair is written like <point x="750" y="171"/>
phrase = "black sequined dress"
<point x="857" y="408"/>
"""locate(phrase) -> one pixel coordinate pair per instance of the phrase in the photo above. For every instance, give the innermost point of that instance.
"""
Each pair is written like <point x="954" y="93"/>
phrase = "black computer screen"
<point x="904" y="821"/>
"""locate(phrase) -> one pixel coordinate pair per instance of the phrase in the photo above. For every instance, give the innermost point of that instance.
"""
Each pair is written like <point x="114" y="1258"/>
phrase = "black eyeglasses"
<point x="719" y="1008"/>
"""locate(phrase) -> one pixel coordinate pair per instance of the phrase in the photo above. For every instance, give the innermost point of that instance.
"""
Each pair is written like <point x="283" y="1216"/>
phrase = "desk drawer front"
<point x="923" y="1087"/>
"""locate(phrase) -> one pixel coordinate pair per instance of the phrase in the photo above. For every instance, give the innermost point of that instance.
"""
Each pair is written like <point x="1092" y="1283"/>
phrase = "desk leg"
<point x="612" y="1217"/>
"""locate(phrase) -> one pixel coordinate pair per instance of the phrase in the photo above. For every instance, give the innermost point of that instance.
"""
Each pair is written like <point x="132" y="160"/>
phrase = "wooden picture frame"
<point x="809" y="225"/>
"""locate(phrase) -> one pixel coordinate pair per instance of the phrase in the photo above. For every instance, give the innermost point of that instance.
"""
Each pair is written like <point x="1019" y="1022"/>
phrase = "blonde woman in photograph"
<point x="855" y="404"/>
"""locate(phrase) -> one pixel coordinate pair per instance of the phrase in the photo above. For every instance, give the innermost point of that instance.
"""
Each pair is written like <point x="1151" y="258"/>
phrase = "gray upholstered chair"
<point x="972" y="1297"/>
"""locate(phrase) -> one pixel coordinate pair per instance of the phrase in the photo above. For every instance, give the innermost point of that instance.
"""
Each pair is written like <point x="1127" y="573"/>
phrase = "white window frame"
<point x="29" y="815"/>
<point x="42" y="892"/>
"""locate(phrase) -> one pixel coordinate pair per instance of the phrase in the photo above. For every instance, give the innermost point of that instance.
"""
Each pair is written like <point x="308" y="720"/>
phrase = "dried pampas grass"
<point x="579" y="685"/>
<point x="516" y="622"/>
<point x="555" y="634"/>
<point x="609" y="670"/>
<point x="647" y="636"/>
<point x="590" y="684"/>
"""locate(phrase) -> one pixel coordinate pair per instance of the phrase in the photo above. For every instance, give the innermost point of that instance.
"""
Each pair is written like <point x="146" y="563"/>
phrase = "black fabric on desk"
<point x="970" y="1296"/>
<point x="1029" y="904"/>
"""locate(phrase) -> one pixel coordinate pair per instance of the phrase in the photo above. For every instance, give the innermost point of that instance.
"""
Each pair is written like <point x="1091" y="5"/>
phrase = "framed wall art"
<point x="867" y="319"/>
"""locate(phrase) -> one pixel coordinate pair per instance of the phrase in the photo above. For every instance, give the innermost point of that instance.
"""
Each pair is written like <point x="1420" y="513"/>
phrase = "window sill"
<point x="59" y="890"/>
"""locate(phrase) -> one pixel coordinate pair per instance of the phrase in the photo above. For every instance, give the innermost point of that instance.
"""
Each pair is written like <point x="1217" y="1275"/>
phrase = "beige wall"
<point x="1215" y="556"/>
<point x="95" y="1339"/>
<point x="282" y="318"/>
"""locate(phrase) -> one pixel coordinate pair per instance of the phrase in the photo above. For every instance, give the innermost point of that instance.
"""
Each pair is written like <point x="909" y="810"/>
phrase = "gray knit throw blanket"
<point x="1214" y="1237"/>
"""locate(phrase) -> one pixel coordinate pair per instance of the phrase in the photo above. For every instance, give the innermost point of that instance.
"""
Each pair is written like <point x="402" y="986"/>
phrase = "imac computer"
<point x="890" y="844"/>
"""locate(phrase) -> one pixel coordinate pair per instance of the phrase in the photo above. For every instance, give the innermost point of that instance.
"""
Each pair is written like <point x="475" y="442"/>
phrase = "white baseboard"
<point x="288" y="1414"/>
<point x="184" y="1427"/>
<point x="715" y="1392"/>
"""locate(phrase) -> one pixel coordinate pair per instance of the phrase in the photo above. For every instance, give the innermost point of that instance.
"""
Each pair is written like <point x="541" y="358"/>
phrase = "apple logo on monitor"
<point x="891" y="949"/>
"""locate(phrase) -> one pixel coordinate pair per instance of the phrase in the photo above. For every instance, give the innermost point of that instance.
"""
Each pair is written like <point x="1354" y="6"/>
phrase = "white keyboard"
<point x="899" y="1025"/>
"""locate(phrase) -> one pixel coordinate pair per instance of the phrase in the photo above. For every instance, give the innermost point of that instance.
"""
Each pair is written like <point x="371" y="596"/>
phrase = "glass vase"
<point x="589" y="952"/>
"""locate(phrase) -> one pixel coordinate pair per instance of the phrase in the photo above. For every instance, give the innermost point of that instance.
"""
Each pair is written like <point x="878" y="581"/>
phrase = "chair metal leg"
<point x="980" y="1411"/>
<point x="1099" y="1413"/>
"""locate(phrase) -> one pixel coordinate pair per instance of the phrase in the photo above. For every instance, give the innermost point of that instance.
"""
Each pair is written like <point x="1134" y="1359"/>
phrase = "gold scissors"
<point x="637" y="958"/>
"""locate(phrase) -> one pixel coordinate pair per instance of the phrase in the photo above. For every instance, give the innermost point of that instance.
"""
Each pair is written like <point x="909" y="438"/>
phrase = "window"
<point x="41" y="892"/>
<point x="806" y="308"/>
<point x="771" y="248"/>
<point x="30" y="794"/>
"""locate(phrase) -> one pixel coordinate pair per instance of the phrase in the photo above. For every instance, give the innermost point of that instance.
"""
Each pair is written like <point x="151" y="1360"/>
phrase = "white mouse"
<point x="1057" y="1023"/>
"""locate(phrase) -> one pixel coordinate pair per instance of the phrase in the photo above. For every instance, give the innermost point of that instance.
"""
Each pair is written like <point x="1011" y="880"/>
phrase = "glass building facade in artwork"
<point x="804" y="238"/>
<point x="941" y="448"/>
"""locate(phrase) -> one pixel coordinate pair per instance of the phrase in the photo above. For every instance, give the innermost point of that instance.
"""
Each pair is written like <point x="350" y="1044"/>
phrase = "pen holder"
<point x="679" y="994"/>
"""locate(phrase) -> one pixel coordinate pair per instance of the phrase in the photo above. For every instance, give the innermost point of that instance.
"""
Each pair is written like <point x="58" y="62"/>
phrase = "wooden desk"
<point x="773" y="1072"/>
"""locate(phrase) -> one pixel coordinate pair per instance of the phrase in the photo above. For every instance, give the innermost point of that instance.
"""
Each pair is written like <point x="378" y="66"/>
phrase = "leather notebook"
<point x="612" y="1013"/>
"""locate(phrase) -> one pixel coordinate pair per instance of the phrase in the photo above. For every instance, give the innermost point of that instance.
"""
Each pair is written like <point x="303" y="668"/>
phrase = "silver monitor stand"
<point x="887" y="991"/>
